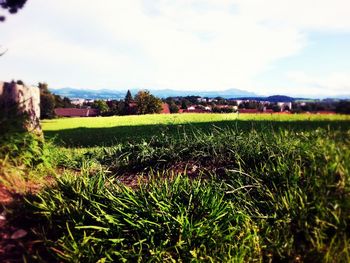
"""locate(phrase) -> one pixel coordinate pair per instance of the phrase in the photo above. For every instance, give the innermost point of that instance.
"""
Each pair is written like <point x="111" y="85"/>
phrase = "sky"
<point x="291" y="47"/>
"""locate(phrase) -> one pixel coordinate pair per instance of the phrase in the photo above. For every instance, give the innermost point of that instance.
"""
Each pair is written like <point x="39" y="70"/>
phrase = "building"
<point x="77" y="102"/>
<point x="74" y="112"/>
<point x="285" y="105"/>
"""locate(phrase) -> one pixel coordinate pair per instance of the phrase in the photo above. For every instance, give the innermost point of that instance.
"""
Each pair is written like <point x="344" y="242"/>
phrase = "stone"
<point x="27" y="101"/>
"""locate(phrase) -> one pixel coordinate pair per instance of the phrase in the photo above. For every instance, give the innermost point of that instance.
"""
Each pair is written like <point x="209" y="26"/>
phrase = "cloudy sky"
<point x="293" y="47"/>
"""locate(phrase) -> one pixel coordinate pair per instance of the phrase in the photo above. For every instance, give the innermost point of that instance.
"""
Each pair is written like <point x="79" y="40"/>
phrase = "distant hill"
<point x="274" y="98"/>
<point x="89" y="94"/>
<point x="209" y="94"/>
<point x="164" y="93"/>
<point x="280" y="98"/>
<point x="120" y="94"/>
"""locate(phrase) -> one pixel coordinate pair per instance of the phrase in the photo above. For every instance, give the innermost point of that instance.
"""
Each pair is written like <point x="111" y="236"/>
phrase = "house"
<point x="239" y="102"/>
<point x="191" y="108"/>
<point x="74" y="112"/>
<point x="197" y="109"/>
<point x="77" y="102"/>
<point x="201" y="99"/>
<point x="285" y="105"/>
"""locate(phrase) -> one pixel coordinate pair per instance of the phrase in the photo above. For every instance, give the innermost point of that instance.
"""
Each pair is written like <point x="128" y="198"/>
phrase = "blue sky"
<point x="298" y="48"/>
<point x="324" y="55"/>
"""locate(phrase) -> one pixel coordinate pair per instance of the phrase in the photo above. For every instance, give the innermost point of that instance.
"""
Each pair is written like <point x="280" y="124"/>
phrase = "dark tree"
<point x="47" y="102"/>
<point x="343" y="107"/>
<point x="127" y="106"/>
<point x="124" y="109"/>
<point x="62" y="103"/>
<point x="307" y="107"/>
<point x="113" y="107"/>
<point x="173" y="108"/>
<point x="221" y="101"/>
<point x="172" y="105"/>
<point x="128" y="97"/>
<point x="19" y="82"/>
<point x="12" y="6"/>
<point x="184" y="104"/>
<point x="276" y="108"/>
<point x="232" y="102"/>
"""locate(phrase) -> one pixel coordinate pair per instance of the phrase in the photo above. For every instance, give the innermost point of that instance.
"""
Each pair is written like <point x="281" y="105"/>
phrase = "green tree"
<point x="47" y="102"/>
<point x="101" y="106"/>
<point x="147" y="103"/>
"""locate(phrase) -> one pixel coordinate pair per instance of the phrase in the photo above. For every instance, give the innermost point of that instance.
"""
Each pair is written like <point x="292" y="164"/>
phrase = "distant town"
<point x="277" y="104"/>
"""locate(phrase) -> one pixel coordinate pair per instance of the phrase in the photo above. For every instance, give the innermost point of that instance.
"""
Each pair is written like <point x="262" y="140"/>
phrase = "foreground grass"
<point x="25" y="161"/>
<point x="218" y="196"/>
<point x="102" y="131"/>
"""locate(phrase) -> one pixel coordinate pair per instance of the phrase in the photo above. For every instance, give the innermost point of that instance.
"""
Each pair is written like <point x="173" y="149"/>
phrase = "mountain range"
<point x="164" y="93"/>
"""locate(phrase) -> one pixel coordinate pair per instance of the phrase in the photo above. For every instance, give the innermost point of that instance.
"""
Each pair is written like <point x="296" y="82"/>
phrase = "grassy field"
<point x="188" y="188"/>
<point x="109" y="130"/>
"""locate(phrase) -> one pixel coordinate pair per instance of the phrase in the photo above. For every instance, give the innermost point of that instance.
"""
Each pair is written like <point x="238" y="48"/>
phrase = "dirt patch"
<point x="13" y="240"/>
<point x="16" y="239"/>
<point x="5" y="195"/>
<point x="132" y="180"/>
<point x="191" y="169"/>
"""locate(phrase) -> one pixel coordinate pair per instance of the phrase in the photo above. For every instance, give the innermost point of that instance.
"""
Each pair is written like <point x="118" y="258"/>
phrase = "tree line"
<point x="146" y="103"/>
<point x="143" y="103"/>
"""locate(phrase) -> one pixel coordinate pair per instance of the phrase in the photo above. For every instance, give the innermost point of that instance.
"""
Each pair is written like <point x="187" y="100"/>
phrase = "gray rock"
<point x="27" y="100"/>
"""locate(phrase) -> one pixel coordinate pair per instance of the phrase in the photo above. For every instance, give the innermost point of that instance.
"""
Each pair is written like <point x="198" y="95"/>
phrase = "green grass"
<point x="24" y="160"/>
<point x="260" y="188"/>
<point x="174" y="119"/>
<point x="254" y="196"/>
<point x="99" y="131"/>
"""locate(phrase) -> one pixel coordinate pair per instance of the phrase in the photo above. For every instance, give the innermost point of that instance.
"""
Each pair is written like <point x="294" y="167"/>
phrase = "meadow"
<point x="109" y="130"/>
<point x="188" y="188"/>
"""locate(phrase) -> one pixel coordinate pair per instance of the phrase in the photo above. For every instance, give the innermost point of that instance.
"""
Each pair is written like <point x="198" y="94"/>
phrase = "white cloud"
<point x="304" y="14"/>
<point x="182" y="44"/>
<point x="334" y="83"/>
